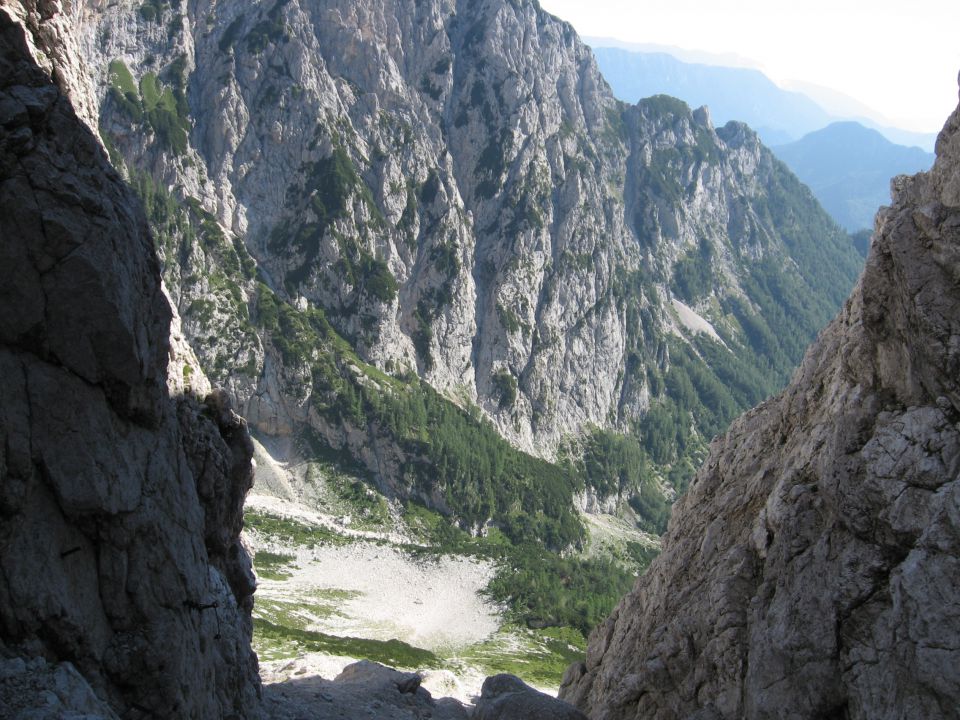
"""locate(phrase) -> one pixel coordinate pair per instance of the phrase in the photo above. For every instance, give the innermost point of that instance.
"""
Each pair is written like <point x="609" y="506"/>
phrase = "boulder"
<point x="507" y="697"/>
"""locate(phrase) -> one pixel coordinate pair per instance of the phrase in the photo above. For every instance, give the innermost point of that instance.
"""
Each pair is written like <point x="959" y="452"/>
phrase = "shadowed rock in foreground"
<point x="120" y="506"/>
<point x="507" y="697"/>
<point x="363" y="689"/>
<point x="811" y="571"/>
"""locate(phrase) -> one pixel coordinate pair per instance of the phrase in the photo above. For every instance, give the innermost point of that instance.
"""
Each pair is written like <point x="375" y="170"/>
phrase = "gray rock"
<point x="809" y="572"/>
<point x="363" y="689"/>
<point x="507" y="697"/>
<point x="37" y="690"/>
<point x="120" y="505"/>
<point x="531" y="222"/>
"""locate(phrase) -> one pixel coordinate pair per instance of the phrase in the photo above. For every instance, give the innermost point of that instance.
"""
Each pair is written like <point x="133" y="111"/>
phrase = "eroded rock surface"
<point x="364" y="689"/>
<point x="120" y="506"/>
<point x="811" y="571"/>
<point x="507" y="697"/>
<point x="454" y="185"/>
<point x="38" y="690"/>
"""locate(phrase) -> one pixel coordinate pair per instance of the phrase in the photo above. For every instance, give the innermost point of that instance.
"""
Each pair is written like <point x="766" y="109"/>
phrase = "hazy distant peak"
<point x="683" y="54"/>
<point x="736" y="89"/>
<point x="848" y="167"/>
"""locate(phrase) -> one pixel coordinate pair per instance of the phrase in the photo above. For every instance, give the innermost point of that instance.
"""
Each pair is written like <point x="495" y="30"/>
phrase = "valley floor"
<point x="345" y="575"/>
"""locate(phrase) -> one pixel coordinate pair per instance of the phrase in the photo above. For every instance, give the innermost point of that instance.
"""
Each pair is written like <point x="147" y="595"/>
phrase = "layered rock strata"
<point x="811" y="570"/>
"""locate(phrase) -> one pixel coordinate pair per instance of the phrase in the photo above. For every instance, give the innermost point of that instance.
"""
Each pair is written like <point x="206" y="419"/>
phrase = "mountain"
<point x="843" y="106"/>
<point x="731" y="93"/>
<point x="848" y="167"/>
<point x="805" y="571"/>
<point x="735" y="91"/>
<point x="125" y="590"/>
<point x="687" y="55"/>
<point x="442" y="248"/>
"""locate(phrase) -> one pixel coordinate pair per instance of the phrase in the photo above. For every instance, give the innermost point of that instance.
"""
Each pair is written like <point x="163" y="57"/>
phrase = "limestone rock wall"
<point x="120" y="504"/>
<point x="811" y="570"/>
<point x="467" y="151"/>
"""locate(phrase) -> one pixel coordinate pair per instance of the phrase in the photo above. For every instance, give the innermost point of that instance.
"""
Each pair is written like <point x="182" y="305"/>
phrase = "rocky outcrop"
<point x="120" y="503"/>
<point x="507" y="697"/>
<point x="363" y="689"/>
<point x="811" y="570"/>
<point x="38" y="690"/>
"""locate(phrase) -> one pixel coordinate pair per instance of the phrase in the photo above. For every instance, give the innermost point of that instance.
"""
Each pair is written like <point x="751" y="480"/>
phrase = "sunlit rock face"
<point x="811" y="570"/>
<point x="454" y="185"/>
<point x="120" y="503"/>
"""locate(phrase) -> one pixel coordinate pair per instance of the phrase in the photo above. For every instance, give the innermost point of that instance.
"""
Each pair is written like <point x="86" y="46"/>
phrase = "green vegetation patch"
<point x="615" y="464"/>
<point x="123" y="90"/>
<point x="163" y="105"/>
<point x="301" y="612"/>
<point x="291" y="532"/>
<point x="152" y="10"/>
<point x="693" y="273"/>
<point x="230" y="35"/>
<point x="275" y="642"/>
<point x="504" y="388"/>
<point x="492" y="163"/>
<point x="271" y="29"/>
<point x="369" y="510"/>
<point x="665" y="105"/>
<point x="540" y="657"/>
<point x="546" y="590"/>
<point x="508" y="318"/>
<point x="272" y="566"/>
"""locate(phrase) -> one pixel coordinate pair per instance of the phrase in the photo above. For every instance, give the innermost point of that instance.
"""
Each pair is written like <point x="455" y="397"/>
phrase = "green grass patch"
<point x="275" y="642"/>
<point x="302" y="611"/>
<point x="121" y="79"/>
<point x="291" y="532"/>
<point x="272" y="566"/>
<point x="164" y="107"/>
<point x="538" y="657"/>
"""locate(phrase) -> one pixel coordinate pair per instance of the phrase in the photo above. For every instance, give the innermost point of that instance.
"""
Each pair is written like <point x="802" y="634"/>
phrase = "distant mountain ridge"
<point x="733" y="91"/>
<point x="848" y="167"/>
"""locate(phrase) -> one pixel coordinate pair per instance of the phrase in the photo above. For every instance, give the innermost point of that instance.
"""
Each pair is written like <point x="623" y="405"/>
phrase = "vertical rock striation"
<point x="454" y="186"/>
<point x="120" y="505"/>
<point x="811" y="571"/>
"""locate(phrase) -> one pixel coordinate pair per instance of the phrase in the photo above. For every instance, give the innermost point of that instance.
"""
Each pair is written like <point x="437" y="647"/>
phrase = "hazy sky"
<point x="900" y="57"/>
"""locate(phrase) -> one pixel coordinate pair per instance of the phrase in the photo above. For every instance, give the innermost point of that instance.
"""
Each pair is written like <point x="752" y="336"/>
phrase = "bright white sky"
<point x="899" y="57"/>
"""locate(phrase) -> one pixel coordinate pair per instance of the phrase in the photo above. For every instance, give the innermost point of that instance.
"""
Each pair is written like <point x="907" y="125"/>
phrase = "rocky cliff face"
<point x="454" y="187"/>
<point x="375" y="217"/>
<point x="811" y="570"/>
<point x="120" y="499"/>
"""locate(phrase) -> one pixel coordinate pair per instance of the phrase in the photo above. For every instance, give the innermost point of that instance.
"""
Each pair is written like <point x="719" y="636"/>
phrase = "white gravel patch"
<point x="695" y="322"/>
<point x="431" y="603"/>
